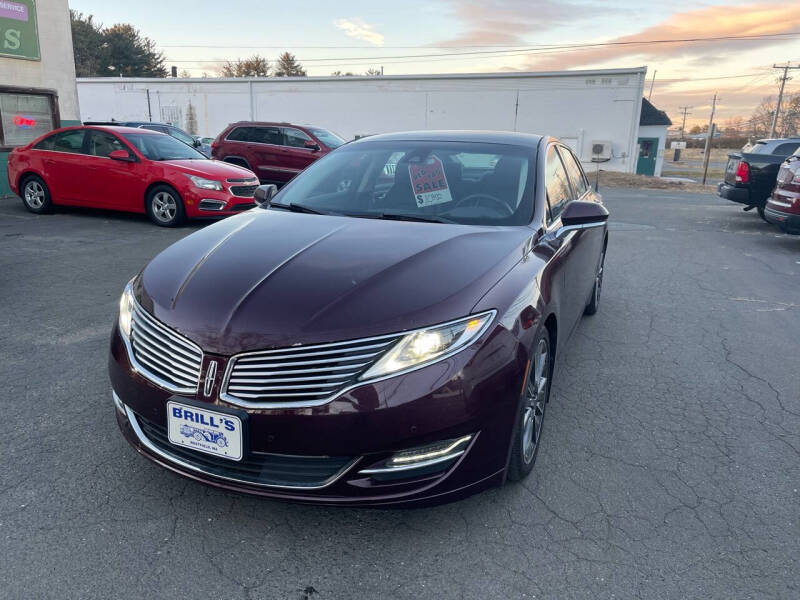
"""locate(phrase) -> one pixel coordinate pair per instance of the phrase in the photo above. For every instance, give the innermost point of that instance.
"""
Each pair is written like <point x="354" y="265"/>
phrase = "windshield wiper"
<point x="301" y="208"/>
<point x="410" y="217"/>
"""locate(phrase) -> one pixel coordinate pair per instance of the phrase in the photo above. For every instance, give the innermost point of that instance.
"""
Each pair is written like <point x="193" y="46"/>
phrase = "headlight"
<point x="206" y="184"/>
<point x="425" y="346"/>
<point x="125" y="308"/>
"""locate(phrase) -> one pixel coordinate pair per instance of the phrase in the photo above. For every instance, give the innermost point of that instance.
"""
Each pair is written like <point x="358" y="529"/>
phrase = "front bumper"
<point x="211" y="203"/>
<point x="473" y="393"/>
<point x="734" y="194"/>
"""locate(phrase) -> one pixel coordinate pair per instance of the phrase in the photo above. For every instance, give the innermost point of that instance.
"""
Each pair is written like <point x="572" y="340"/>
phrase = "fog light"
<point x="208" y="204"/>
<point x="423" y="456"/>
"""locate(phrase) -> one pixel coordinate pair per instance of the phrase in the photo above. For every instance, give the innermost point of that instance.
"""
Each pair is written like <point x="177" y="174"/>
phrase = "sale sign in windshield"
<point x="19" y="37"/>
<point x="429" y="182"/>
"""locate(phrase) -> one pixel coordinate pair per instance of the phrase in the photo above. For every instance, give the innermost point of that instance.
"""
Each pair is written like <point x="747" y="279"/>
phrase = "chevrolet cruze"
<point x="381" y="332"/>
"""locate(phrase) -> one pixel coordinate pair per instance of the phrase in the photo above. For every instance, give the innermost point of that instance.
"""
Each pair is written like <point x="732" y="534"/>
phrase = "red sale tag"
<point x="429" y="182"/>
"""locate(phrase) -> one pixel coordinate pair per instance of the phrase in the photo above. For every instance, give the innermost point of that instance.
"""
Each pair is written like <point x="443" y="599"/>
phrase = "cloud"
<point x="715" y="21"/>
<point x="506" y="22"/>
<point x="357" y="28"/>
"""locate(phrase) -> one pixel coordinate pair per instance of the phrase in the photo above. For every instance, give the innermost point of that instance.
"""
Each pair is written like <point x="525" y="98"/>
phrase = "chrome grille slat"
<point x="235" y="380"/>
<point x="158" y="329"/>
<point x="165" y="357"/>
<point x="158" y="347"/>
<point x="260" y="359"/>
<point x="243" y="373"/>
<point x="299" y="363"/>
<point x="301" y="374"/>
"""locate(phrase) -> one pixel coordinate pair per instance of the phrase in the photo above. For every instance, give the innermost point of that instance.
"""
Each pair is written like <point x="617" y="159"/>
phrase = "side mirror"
<point x="265" y="193"/>
<point x="197" y="143"/>
<point x="313" y="146"/>
<point x="121" y="155"/>
<point x="580" y="215"/>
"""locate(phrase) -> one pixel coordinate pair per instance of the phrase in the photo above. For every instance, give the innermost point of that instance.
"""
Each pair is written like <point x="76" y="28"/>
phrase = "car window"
<point x="758" y="148"/>
<point x="180" y="135"/>
<point x="574" y="171"/>
<point x="241" y="134"/>
<point x="330" y="139"/>
<point x="421" y="179"/>
<point x="556" y="183"/>
<point x="295" y="138"/>
<point x="267" y="135"/>
<point x="102" y="143"/>
<point x="66" y="141"/>
<point x="162" y="147"/>
<point x="787" y="148"/>
<point x="158" y="128"/>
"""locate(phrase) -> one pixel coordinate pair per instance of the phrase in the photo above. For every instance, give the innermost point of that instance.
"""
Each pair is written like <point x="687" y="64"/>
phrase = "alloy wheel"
<point x="164" y="207"/>
<point x="34" y="194"/>
<point x="535" y="401"/>
<point x="598" y="280"/>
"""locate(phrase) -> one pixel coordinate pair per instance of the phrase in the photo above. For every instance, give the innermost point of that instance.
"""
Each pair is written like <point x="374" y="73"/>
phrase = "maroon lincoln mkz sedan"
<point x="381" y="332"/>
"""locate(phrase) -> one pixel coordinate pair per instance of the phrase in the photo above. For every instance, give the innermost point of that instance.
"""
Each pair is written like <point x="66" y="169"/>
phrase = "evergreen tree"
<point x="289" y="67"/>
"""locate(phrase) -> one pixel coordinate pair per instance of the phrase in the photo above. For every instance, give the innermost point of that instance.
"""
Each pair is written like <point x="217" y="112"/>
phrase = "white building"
<point x="580" y="107"/>
<point x="37" y="74"/>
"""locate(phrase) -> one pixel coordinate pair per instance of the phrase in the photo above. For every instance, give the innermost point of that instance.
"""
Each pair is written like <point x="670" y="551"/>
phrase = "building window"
<point x="25" y="115"/>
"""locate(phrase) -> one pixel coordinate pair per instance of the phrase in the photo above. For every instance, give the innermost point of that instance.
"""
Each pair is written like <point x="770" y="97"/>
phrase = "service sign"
<point x="19" y="37"/>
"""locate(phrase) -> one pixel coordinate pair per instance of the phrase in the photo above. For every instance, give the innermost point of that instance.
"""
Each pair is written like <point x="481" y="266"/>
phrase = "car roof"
<point x="124" y="129"/>
<point x="489" y="137"/>
<point x="269" y="123"/>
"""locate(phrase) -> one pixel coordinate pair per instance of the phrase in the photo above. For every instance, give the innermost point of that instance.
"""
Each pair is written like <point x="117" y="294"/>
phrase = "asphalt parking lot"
<point x="670" y="465"/>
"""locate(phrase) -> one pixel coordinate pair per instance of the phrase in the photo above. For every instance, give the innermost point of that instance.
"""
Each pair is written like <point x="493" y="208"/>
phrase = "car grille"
<point x="302" y="375"/>
<point x="244" y="191"/>
<point x="258" y="468"/>
<point x="173" y="359"/>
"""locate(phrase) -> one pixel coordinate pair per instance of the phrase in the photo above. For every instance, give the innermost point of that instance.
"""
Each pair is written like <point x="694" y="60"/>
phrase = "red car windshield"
<point x="162" y="147"/>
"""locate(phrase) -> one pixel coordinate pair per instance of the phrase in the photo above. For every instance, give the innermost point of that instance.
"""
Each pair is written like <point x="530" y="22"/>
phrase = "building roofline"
<point x="497" y="75"/>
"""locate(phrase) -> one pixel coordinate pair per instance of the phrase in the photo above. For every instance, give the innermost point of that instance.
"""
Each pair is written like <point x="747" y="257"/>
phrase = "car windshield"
<point x="157" y="146"/>
<point x="451" y="182"/>
<point x="330" y="139"/>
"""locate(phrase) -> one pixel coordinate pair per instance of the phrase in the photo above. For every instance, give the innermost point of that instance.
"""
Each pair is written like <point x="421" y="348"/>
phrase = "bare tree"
<point x="254" y="66"/>
<point x="373" y="72"/>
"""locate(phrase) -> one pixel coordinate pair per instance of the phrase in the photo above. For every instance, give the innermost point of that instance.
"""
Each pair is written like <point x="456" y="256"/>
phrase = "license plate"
<point x="204" y="430"/>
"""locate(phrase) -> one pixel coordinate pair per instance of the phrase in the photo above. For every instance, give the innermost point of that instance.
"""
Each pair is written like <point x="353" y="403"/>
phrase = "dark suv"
<point x="275" y="152"/>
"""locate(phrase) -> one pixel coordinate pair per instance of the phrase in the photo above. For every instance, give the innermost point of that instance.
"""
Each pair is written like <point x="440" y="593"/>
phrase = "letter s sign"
<point x="11" y="41"/>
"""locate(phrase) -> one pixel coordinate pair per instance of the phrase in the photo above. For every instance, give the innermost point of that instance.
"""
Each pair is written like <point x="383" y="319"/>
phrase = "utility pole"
<point x="708" y="137"/>
<point x="783" y="81"/>
<point x="650" y="95"/>
<point x="685" y="110"/>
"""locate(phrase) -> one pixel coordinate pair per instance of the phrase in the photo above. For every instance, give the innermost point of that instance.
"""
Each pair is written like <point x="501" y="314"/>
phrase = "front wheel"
<point x="165" y="207"/>
<point x="536" y="394"/>
<point x="36" y="195"/>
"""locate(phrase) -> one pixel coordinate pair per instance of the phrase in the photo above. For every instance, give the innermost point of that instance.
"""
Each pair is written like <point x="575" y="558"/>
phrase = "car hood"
<point x="269" y="278"/>
<point x="212" y="169"/>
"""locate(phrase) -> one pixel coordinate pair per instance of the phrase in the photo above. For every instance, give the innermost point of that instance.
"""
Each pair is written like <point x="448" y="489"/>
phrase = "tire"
<point x="164" y="206"/>
<point x="761" y="213"/>
<point x="36" y="195"/>
<point x="594" y="301"/>
<point x="535" y="396"/>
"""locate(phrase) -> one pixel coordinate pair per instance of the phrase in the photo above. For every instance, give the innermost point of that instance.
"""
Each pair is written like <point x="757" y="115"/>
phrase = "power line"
<point x="544" y="49"/>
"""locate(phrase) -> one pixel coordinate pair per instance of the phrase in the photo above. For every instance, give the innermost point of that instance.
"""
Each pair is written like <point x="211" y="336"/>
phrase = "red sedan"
<point x="127" y="169"/>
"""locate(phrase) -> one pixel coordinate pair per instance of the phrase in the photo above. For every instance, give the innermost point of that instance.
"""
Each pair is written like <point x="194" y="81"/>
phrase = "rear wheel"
<point x="165" y="207"/>
<point x="535" y="396"/>
<point x="35" y="195"/>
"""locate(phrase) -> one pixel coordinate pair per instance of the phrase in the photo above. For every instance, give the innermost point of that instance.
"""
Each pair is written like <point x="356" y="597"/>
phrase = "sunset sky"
<point x="196" y="35"/>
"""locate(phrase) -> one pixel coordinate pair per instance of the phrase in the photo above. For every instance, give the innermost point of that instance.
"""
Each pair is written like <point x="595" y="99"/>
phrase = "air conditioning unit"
<point x="601" y="150"/>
